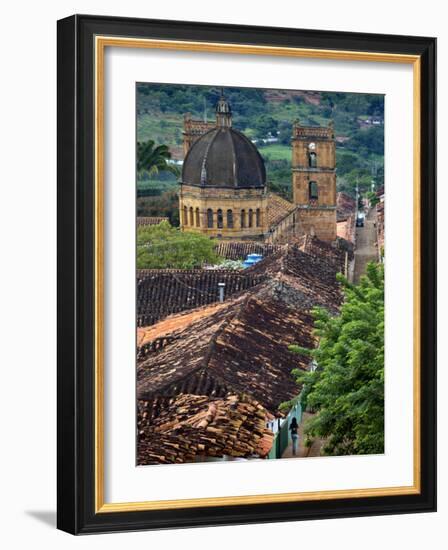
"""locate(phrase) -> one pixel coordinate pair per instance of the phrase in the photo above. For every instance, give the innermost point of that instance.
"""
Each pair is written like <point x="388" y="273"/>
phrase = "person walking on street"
<point x="294" y="428"/>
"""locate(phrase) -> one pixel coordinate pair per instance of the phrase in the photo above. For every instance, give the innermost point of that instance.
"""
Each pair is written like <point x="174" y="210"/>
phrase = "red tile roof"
<point x="278" y="208"/>
<point x="233" y="426"/>
<point x="237" y="348"/>
<point x="151" y="220"/>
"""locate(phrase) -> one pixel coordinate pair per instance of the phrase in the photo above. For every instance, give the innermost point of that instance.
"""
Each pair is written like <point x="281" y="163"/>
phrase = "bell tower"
<point x="223" y="112"/>
<point x="314" y="179"/>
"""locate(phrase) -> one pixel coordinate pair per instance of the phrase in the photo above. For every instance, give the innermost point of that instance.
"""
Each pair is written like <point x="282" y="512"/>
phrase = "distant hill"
<point x="266" y="116"/>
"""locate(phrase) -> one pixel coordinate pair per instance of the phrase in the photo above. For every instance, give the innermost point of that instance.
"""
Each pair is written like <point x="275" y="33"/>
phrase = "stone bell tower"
<point x="314" y="179"/>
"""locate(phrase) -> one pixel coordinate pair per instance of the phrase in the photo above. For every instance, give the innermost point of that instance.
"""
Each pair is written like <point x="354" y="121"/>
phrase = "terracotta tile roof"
<point x="309" y="266"/>
<point x="174" y="323"/>
<point x="163" y="292"/>
<point x="330" y="253"/>
<point x="242" y="348"/>
<point x="242" y="345"/>
<point x="238" y="250"/>
<point x="237" y="349"/>
<point x="150" y="220"/>
<point x="192" y="426"/>
<point x="278" y="208"/>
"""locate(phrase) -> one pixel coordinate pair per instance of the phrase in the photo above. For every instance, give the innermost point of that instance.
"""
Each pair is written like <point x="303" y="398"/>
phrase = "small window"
<point x="312" y="159"/>
<point x="191" y="216"/>
<point x="251" y="218"/>
<point x="229" y="219"/>
<point x="258" y="217"/>
<point x="313" y="191"/>
<point x="209" y="218"/>
<point x="185" y="215"/>
<point x="220" y="220"/>
<point x="198" y="223"/>
<point x="243" y="219"/>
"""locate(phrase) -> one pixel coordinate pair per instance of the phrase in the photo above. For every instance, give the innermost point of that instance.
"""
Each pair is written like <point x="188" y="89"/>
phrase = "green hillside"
<point x="263" y="114"/>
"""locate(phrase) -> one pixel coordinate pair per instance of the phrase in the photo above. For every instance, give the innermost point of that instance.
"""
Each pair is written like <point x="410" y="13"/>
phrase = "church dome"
<point x="224" y="157"/>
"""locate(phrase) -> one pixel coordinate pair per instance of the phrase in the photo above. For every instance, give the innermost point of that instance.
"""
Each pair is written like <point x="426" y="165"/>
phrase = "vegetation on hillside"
<point x="163" y="246"/>
<point x="346" y="390"/>
<point x="264" y="116"/>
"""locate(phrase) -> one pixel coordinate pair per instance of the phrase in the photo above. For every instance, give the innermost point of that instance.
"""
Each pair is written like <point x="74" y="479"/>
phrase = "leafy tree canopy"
<point x="368" y="141"/>
<point x="347" y="388"/>
<point x="373" y="199"/>
<point x="166" y="204"/>
<point x="163" y="246"/>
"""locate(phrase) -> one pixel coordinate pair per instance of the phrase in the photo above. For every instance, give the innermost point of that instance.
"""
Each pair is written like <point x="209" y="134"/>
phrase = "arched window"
<point x="191" y="216"/>
<point x="229" y="219"/>
<point x="312" y="160"/>
<point x="243" y="219"/>
<point x="209" y="218"/>
<point x="251" y="217"/>
<point x="185" y="216"/>
<point x="258" y="217"/>
<point x="313" y="191"/>
<point x="198" y="222"/>
<point x="220" y="220"/>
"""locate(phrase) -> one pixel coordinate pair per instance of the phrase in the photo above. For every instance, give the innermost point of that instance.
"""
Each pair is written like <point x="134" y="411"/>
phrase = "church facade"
<point x="223" y="190"/>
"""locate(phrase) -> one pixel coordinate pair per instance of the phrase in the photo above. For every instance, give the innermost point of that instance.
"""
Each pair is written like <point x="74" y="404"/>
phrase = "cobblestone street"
<point x="366" y="249"/>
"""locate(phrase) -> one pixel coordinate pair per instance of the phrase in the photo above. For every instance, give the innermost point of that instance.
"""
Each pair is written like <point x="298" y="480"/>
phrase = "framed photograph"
<point x="246" y="274"/>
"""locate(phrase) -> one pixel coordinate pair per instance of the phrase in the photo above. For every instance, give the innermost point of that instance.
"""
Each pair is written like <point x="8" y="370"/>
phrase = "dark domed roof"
<point x="224" y="157"/>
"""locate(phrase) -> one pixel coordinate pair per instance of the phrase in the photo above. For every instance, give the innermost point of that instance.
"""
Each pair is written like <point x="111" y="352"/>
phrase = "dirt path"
<point x="365" y="250"/>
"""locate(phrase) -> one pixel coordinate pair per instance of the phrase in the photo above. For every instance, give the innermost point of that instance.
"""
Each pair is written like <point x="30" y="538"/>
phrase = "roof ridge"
<point x="204" y="160"/>
<point x="220" y="330"/>
<point x="235" y="164"/>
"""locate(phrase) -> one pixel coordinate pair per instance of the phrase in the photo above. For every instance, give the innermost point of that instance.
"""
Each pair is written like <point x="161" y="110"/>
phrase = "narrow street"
<point x="365" y="250"/>
<point x="304" y="452"/>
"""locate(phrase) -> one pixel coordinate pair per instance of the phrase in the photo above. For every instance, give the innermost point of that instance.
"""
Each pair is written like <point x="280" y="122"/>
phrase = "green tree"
<point x="163" y="246"/>
<point x="368" y="141"/>
<point x="346" y="162"/>
<point x="346" y="390"/>
<point x="371" y="196"/>
<point x="285" y="129"/>
<point x="152" y="160"/>
<point x="166" y="205"/>
<point x="265" y="125"/>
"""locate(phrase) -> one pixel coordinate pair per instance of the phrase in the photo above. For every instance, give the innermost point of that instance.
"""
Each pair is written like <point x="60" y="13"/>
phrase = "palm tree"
<point x="152" y="160"/>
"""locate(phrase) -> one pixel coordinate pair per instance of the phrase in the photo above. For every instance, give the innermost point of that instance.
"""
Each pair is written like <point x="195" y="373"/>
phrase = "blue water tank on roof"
<point x="252" y="259"/>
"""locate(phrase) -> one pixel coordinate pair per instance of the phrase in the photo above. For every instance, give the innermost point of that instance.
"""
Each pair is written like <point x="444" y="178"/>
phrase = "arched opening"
<point x="230" y="219"/>
<point x="251" y="217"/>
<point x="198" y="222"/>
<point x="185" y="216"/>
<point x="312" y="160"/>
<point x="313" y="191"/>
<point x="191" y="216"/>
<point x="209" y="218"/>
<point x="220" y="220"/>
<point x="258" y="217"/>
<point x="243" y="219"/>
